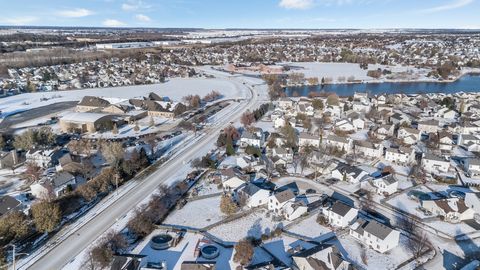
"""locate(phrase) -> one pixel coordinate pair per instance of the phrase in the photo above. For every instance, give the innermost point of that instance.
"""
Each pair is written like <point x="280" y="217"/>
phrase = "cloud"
<point x="452" y="5"/>
<point x="75" y="13"/>
<point x="113" y="23"/>
<point x="142" y="18"/>
<point x="296" y="4"/>
<point x="19" y="20"/>
<point x="132" y="5"/>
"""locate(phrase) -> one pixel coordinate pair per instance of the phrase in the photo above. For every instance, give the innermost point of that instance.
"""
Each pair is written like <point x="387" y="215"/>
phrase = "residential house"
<point x="341" y="143"/>
<point x="320" y="257"/>
<point x="445" y="141"/>
<point x="252" y="137"/>
<point x="345" y="172"/>
<point x="278" y="200"/>
<point x="54" y="186"/>
<point x="9" y="159"/>
<point x="377" y="236"/>
<point x="44" y="158"/>
<point x="434" y="164"/>
<point x="404" y="132"/>
<point x="428" y="126"/>
<point x="285" y="154"/>
<point x="473" y="166"/>
<point x="451" y="209"/>
<point x="305" y="139"/>
<point x="233" y="183"/>
<point x="402" y="155"/>
<point x="340" y="214"/>
<point x="285" y="103"/>
<point x="384" y="131"/>
<point x="253" y="195"/>
<point x="9" y="204"/>
<point x="472" y="201"/>
<point x="368" y="149"/>
<point x="385" y="185"/>
<point x="344" y="125"/>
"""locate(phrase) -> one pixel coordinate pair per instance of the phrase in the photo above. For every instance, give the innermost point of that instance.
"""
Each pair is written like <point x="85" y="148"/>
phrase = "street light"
<point x="14" y="255"/>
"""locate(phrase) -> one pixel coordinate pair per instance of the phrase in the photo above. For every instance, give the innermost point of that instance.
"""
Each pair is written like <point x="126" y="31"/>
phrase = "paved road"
<point x="65" y="251"/>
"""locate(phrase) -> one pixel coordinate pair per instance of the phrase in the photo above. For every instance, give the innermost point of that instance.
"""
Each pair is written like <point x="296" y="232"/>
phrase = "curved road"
<point x="65" y="251"/>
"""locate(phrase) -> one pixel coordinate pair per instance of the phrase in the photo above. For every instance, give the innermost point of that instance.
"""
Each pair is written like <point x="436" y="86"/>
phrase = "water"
<point x="467" y="83"/>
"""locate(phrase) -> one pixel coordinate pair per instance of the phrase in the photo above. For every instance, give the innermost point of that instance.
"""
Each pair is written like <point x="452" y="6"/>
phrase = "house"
<point x="252" y="137"/>
<point x="278" y="200"/>
<point x="473" y="166"/>
<point x="341" y="143"/>
<point x="285" y="103"/>
<point x="279" y="122"/>
<point x="9" y="204"/>
<point x="377" y="236"/>
<point x="428" y="126"/>
<point x="452" y="209"/>
<point x="233" y="183"/>
<point x="283" y="153"/>
<point x="434" y="164"/>
<point x="445" y="141"/>
<point x="320" y="257"/>
<point x="9" y="159"/>
<point x="340" y="214"/>
<point x="472" y="201"/>
<point x="305" y="139"/>
<point x="253" y="195"/>
<point x="361" y="106"/>
<point x="44" y="158"/>
<point x="384" y="131"/>
<point x="344" y="125"/>
<point x="402" y="155"/>
<point x="358" y="123"/>
<point x="91" y="103"/>
<point x="467" y="139"/>
<point x="368" y="149"/>
<point x="404" y="132"/>
<point x="54" y="186"/>
<point x="345" y="172"/>
<point x="385" y="185"/>
<point x="81" y="122"/>
<point x="294" y="209"/>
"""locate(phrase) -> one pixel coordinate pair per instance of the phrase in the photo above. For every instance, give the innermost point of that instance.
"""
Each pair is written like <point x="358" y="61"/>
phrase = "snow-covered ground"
<point x="255" y="224"/>
<point x="175" y="89"/>
<point x="197" y="214"/>
<point x="309" y="228"/>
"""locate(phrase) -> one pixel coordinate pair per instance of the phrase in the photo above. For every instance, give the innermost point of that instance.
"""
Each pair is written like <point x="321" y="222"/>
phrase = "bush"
<point x="243" y="252"/>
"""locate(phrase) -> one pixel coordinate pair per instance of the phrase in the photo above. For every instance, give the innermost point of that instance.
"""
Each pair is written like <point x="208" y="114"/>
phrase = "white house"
<point x="377" y="236"/>
<point x="278" y="200"/>
<point x="253" y="137"/>
<point x="44" y="158"/>
<point x="472" y="201"/>
<point x="344" y="125"/>
<point x="340" y="214"/>
<point x="305" y="139"/>
<point x="384" y="131"/>
<point x="320" y="257"/>
<point x="340" y="143"/>
<point x="452" y="209"/>
<point x="428" y="126"/>
<point x="285" y="103"/>
<point x="279" y="122"/>
<point x="368" y="149"/>
<point x="53" y="186"/>
<point x="402" y="155"/>
<point x="446" y="141"/>
<point x="358" y="123"/>
<point x="345" y="172"/>
<point x="253" y="195"/>
<point x="473" y="166"/>
<point x="285" y="154"/>
<point x="361" y="106"/>
<point x="406" y="132"/>
<point x="434" y="164"/>
<point x="387" y="184"/>
<point x="294" y="209"/>
<point x="233" y="183"/>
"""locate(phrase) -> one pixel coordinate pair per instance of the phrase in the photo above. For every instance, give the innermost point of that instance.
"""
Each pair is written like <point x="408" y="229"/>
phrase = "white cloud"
<point x="113" y="23"/>
<point x="132" y="5"/>
<point x="452" y="5"/>
<point x="75" y="13"/>
<point x="142" y="18"/>
<point x="19" y="20"/>
<point x="296" y="4"/>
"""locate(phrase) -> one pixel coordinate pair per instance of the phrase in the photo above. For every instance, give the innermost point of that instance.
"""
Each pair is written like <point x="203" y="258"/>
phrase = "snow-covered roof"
<point x="83" y="117"/>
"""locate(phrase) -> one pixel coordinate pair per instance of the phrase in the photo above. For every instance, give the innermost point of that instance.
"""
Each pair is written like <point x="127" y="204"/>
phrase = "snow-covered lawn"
<point x="197" y="214"/>
<point x="309" y="228"/>
<point x="405" y="203"/>
<point x="253" y="225"/>
<point x="175" y="89"/>
<point x="265" y="125"/>
<point x="375" y="260"/>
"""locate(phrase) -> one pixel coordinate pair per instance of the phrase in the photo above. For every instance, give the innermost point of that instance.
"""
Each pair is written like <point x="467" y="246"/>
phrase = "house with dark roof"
<point x="9" y="204"/>
<point x="320" y="257"/>
<point x="385" y="185"/>
<point x="453" y="210"/>
<point x="375" y="235"/>
<point x="349" y="173"/>
<point x="253" y="195"/>
<point x="278" y="200"/>
<point x="340" y="214"/>
<point x="91" y="103"/>
<point x="54" y="185"/>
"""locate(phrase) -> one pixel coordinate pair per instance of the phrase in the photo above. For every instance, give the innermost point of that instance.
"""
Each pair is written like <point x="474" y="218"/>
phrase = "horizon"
<point x="270" y="14"/>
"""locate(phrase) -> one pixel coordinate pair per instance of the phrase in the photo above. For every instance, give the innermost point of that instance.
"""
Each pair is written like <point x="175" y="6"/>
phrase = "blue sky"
<point x="244" y="13"/>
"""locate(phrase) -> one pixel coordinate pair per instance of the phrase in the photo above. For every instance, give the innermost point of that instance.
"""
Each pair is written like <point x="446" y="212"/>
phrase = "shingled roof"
<point x="92" y="101"/>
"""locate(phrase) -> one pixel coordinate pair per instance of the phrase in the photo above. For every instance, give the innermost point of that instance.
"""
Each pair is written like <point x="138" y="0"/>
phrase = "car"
<point x="310" y="191"/>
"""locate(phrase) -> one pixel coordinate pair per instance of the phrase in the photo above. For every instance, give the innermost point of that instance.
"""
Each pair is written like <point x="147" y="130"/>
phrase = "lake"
<point x="467" y="83"/>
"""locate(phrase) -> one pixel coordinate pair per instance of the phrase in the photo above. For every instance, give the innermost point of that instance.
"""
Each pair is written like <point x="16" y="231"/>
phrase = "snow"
<point x="389" y="260"/>
<point x="309" y="228"/>
<point x="255" y="224"/>
<point x="175" y="89"/>
<point x="197" y="214"/>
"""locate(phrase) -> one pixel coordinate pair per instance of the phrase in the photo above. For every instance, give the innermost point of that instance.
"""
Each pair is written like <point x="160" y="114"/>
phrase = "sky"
<point x="219" y="14"/>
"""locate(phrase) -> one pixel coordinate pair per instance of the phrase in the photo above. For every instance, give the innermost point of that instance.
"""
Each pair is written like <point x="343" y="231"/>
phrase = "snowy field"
<point x="253" y="225"/>
<point x="389" y="260"/>
<point x="197" y="214"/>
<point x="336" y="70"/>
<point x="309" y="228"/>
<point x="175" y="89"/>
